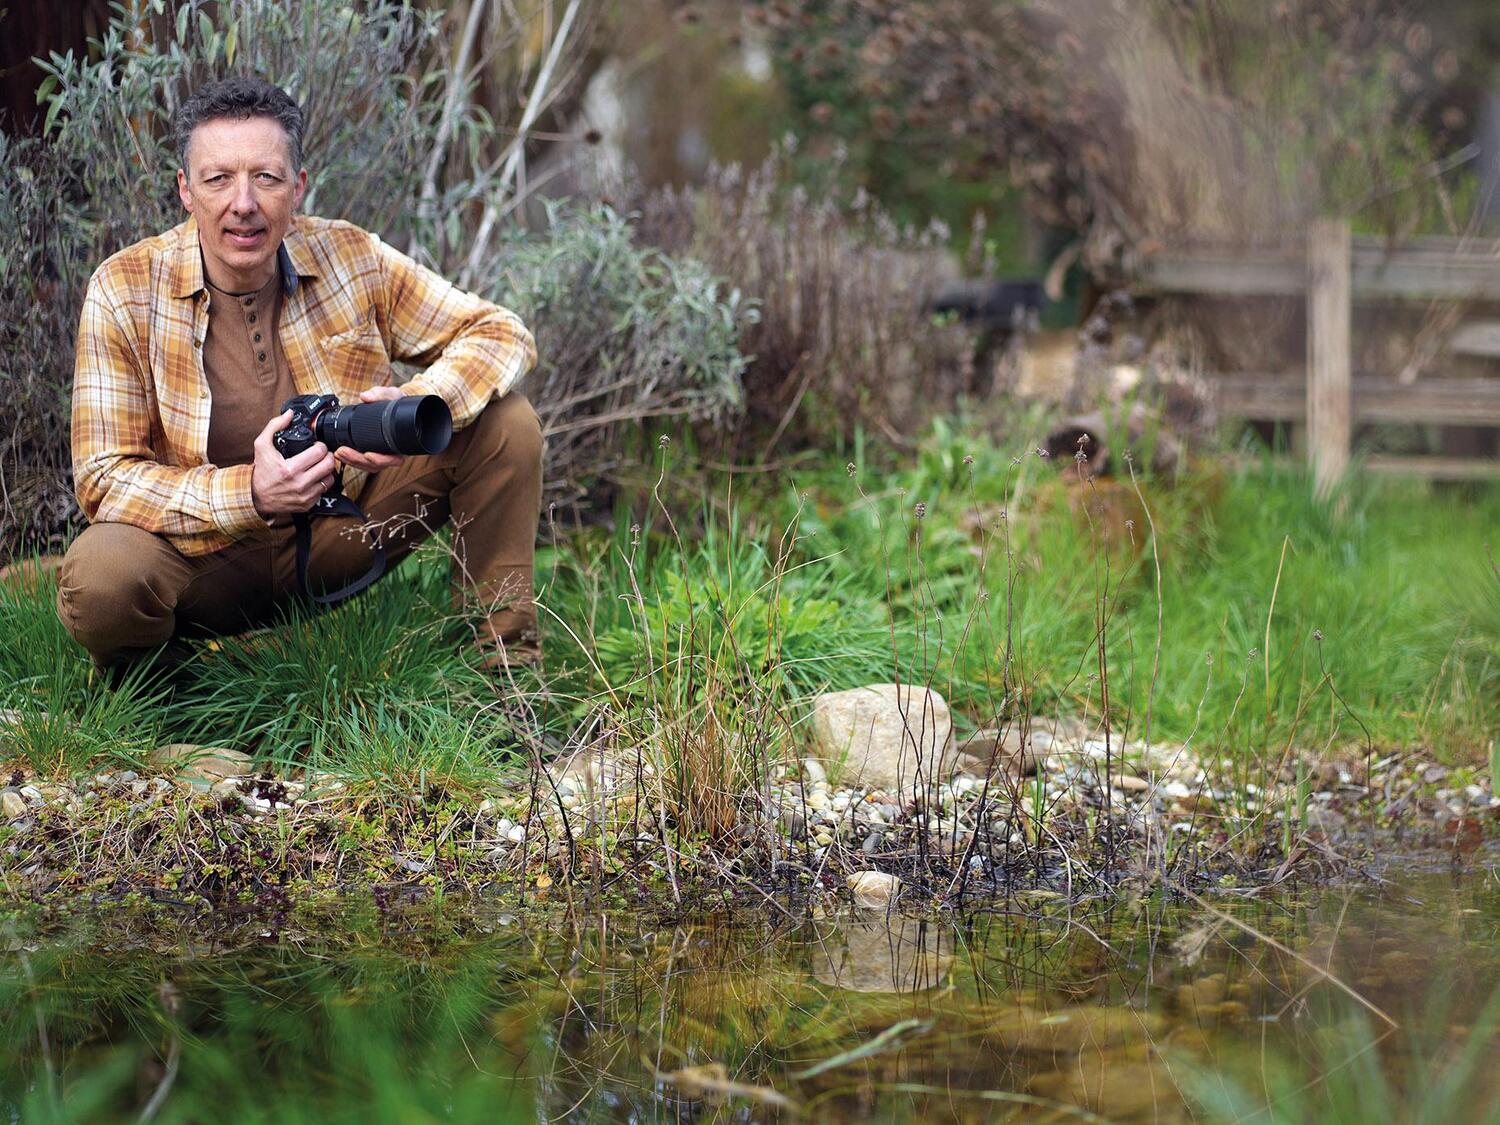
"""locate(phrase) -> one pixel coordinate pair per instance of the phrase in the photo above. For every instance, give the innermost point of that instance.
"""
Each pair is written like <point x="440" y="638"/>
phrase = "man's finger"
<point x="274" y="426"/>
<point x="309" y="457"/>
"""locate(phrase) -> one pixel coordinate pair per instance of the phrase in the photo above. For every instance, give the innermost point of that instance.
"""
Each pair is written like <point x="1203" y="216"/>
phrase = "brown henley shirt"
<point x="247" y="372"/>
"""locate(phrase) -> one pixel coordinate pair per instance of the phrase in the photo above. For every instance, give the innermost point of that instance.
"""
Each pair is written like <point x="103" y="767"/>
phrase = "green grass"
<point x="971" y="567"/>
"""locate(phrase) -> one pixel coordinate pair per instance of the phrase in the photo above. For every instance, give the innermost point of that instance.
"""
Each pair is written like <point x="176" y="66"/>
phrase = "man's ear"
<point x="300" y="189"/>
<point x="182" y="190"/>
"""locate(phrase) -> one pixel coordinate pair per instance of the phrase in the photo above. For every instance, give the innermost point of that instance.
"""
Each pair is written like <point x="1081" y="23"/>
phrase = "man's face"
<point x="241" y="186"/>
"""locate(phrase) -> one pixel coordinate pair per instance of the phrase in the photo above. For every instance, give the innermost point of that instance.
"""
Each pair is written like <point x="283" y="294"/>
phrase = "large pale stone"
<point x="884" y="736"/>
<point x="202" y="763"/>
<point x="874" y="890"/>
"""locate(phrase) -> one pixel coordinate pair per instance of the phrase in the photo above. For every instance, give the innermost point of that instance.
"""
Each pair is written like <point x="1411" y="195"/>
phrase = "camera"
<point x="411" y="424"/>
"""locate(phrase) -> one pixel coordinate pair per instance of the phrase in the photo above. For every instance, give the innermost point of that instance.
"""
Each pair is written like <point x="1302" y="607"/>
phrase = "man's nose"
<point x="244" y="198"/>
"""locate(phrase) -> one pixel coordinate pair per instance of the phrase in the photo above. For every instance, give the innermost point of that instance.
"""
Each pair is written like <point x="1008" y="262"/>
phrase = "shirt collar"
<point x="294" y="261"/>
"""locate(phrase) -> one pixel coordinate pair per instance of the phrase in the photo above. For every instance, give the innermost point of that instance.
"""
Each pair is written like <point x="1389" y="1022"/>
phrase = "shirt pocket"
<point x="356" y="359"/>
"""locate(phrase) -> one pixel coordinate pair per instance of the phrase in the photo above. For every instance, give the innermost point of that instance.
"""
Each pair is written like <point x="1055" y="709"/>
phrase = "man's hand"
<point x="371" y="462"/>
<point x="282" y="486"/>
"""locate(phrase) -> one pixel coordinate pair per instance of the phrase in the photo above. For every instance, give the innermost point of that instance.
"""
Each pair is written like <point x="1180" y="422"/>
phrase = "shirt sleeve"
<point x="116" y="474"/>
<point x="473" y="349"/>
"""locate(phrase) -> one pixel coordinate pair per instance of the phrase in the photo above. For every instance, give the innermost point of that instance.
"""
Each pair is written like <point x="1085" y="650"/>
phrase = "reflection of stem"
<point x="43" y="1042"/>
<point x="174" y="1056"/>
<point x="1274" y="944"/>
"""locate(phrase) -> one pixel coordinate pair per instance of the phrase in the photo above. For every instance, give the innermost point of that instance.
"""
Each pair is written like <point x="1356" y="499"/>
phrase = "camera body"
<point x="301" y="434"/>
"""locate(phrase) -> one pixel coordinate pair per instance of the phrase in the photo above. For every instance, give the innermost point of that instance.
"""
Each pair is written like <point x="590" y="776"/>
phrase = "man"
<point x="188" y="346"/>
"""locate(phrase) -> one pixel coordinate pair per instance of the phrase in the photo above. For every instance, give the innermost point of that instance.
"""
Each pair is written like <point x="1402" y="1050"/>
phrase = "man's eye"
<point x="268" y="178"/>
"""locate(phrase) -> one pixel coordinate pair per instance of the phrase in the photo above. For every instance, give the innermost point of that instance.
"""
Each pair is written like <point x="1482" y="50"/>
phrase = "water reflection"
<point x="430" y="1014"/>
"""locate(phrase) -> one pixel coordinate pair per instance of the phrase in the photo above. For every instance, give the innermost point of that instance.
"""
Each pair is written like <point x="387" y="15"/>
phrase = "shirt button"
<point x="257" y="337"/>
<point x="251" y="318"/>
<point x="249" y="301"/>
<point x="261" y="357"/>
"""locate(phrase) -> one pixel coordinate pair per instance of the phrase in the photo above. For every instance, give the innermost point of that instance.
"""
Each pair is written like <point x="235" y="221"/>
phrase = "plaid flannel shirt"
<point x="350" y="306"/>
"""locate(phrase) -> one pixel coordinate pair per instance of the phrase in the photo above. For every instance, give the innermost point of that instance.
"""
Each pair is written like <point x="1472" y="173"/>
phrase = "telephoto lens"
<point x="411" y="424"/>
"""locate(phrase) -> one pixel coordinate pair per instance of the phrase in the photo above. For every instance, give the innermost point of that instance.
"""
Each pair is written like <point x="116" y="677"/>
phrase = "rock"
<point x="812" y="770"/>
<point x="12" y="805"/>
<point x="226" y="788"/>
<point x="872" y="843"/>
<point x="201" y="763"/>
<point x="998" y="752"/>
<point x="1132" y="784"/>
<point x="886" y="736"/>
<point x="883" y="954"/>
<point x="874" y="890"/>
<point x="517" y="835"/>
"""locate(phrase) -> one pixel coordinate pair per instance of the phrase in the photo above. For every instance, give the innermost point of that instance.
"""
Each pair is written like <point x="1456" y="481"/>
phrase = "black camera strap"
<point x="333" y="505"/>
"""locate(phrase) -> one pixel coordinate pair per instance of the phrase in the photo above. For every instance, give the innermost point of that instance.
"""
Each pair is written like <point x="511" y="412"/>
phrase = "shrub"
<point x="624" y="333"/>
<point x="842" y="339"/>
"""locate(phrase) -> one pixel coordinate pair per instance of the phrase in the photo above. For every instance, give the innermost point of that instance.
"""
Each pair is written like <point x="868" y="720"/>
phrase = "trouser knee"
<point x="118" y="589"/>
<point x="510" y="427"/>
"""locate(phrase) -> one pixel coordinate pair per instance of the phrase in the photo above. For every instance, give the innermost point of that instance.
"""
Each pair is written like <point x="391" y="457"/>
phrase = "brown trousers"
<point x="124" y="591"/>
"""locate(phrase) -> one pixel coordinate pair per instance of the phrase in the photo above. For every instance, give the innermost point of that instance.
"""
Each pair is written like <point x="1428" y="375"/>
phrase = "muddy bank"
<point x="1066" y="814"/>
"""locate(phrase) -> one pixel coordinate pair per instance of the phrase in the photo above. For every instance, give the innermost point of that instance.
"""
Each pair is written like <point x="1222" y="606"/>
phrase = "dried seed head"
<point x="1318" y="635"/>
<point x="969" y="459"/>
<point x="851" y="468"/>
<point x="663" y="441"/>
<point x="920" y="511"/>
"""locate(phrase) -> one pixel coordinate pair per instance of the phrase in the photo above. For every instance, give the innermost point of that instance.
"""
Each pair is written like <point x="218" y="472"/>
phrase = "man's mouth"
<point x="244" y="238"/>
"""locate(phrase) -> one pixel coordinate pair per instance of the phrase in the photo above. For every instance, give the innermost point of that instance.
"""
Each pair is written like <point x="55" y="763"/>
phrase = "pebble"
<point x="873" y="890"/>
<point x="812" y="770"/>
<point x="1132" y="784"/>
<point x="871" y="844"/>
<point x="517" y="834"/>
<point x="12" y="805"/>
<point x="128" y="775"/>
<point x="823" y="839"/>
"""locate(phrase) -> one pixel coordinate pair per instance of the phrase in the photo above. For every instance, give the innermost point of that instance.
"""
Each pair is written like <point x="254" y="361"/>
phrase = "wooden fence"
<point x="1335" y="271"/>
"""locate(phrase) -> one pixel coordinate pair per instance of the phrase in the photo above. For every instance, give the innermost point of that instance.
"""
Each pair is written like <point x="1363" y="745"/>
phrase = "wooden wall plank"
<point x="1283" y="398"/>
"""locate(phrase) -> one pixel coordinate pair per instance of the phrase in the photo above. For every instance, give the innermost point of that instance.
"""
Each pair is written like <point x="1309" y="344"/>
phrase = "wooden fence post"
<point x="1329" y="393"/>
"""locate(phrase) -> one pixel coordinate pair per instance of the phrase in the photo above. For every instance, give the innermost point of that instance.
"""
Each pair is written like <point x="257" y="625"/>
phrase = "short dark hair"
<point x="238" y="99"/>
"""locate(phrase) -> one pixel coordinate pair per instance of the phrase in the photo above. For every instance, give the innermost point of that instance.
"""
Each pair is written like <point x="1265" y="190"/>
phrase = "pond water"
<point x="1135" y="1012"/>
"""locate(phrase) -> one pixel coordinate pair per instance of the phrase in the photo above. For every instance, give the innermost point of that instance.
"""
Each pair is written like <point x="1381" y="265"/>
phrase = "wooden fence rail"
<point x="1333" y="272"/>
